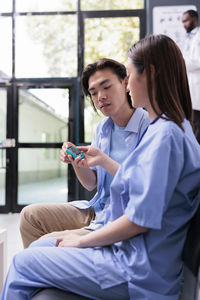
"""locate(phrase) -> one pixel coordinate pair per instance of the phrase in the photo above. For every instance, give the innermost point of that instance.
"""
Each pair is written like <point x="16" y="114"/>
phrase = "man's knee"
<point x="30" y="218"/>
<point x="25" y="214"/>
<point x="31" y="212"/>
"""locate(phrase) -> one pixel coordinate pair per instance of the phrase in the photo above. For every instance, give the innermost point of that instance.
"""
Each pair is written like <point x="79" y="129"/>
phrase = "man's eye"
<point x="107" y="87"/>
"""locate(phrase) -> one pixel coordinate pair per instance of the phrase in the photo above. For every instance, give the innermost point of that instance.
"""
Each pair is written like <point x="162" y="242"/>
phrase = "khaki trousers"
<point x="53" y="220"/>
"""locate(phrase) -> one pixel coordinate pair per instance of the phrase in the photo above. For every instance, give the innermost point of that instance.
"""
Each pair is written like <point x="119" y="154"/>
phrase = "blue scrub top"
<point x="102" y="139"/>
<point x="158" y="187"/>
<point x="118" y="152"/>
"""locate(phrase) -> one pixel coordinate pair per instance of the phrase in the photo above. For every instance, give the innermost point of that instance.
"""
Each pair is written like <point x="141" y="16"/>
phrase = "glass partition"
<point x="111" y="4"/>
<point x="110" y="37"/>
<point x="43" y="115"/>
<point x="46" y="5"/>
<point x="42" y="55"/>
<point x="3" y="114"/>
<point x="6" y="47"/>
<point x="5" y="6"/>
<point x="42" y="177"/>
<point x="46" y="46"/>
<point x="2" y="176"/>
<point x="125" y="31"/>
<point x="3" y="118"/>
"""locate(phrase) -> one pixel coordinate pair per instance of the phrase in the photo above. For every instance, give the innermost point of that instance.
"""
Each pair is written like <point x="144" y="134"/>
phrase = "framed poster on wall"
<point x="167" y="20"/>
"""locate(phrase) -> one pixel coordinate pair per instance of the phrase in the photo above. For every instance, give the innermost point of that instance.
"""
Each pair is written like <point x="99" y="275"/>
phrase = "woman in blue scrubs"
<point x="154" y="194"/>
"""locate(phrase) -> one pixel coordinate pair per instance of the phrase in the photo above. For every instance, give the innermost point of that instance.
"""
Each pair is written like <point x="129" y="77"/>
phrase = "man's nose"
<point x="102" y="96"/>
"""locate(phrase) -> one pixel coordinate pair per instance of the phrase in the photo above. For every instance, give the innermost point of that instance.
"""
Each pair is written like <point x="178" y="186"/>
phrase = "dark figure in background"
<point x="191" y="53"/>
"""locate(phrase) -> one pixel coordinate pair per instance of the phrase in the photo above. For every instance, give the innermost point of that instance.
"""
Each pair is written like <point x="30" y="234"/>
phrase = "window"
<point x="43" y="115"/>
<point x="44" y="48"/>
<point x="111" y="4"/>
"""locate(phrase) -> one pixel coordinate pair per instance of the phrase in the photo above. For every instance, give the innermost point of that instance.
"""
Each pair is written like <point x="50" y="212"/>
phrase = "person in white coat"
<point x="191" y="53"/>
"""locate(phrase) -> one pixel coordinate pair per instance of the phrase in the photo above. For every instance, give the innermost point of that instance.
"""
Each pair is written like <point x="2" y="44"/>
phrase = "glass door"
<point x="3" y="122"/>
<point x="7" y="150"/>
<point x="43" y="125"/>
<point x="35" y="119"/>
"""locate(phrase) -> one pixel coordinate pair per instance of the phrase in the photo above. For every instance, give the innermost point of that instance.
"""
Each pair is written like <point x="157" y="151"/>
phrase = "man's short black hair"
<point x="192" y="13"/>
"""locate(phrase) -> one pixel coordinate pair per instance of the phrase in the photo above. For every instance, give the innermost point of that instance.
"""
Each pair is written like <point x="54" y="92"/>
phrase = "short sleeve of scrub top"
<point x="153" y="178"/>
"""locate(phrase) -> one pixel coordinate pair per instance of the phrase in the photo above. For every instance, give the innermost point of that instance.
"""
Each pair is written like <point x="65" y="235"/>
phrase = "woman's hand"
<point x="70" y="240"/>
<point x="119" y="230"/>
<point x="85" y="175"/>
<point x="93" y="156"/>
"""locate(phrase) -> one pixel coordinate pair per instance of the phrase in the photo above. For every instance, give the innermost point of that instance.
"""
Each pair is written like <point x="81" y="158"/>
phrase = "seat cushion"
<point x="56" y="294"/>
<point x="191" y="252"/>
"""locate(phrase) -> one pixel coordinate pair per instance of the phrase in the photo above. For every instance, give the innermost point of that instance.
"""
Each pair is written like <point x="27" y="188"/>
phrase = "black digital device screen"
<point x="74" y="150"/>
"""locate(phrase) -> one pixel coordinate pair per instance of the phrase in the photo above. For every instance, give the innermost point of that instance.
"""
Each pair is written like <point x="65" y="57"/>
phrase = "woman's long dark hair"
<point x="170" y="82"/>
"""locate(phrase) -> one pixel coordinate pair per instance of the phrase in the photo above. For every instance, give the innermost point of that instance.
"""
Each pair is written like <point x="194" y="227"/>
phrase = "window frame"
<point x="76" y="105"/>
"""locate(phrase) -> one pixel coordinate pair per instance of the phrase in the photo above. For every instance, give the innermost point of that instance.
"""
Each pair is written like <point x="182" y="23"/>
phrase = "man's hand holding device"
<point x="74" y="152"/>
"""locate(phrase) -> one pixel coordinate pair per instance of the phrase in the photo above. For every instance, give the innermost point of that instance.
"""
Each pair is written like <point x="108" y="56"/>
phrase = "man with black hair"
<point x="191" y="53"/>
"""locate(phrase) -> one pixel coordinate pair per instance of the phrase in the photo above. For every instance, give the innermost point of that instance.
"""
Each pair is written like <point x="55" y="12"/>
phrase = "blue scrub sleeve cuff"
<point x="143" y="220"/>
<point x="94" y="168"/>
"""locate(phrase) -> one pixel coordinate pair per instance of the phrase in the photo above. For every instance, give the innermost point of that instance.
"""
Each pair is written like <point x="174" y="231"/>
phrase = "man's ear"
<point x="153" y="74"/>
<point x="126" y="83"/>
<point x="153" y="71"/>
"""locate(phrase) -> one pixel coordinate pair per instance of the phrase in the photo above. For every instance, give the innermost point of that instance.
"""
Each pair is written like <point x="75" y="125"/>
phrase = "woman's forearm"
<point x="119" y="230"/>
<point x="96" y="157"/>
<point x="110" y="165"/>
